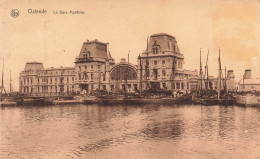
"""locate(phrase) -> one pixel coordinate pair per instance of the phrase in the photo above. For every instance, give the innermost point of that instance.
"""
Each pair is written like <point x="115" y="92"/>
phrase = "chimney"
<point x="230" y="74"/>
<point x="247" y="74"/>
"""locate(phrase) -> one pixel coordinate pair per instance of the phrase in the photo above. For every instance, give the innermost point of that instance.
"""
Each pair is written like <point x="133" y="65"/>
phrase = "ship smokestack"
<point x="247" y="74"/>
<point x="230" y="74"/>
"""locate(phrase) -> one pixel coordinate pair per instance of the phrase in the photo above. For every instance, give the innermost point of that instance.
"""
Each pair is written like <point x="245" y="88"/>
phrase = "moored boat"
<point x="90" y="100"/>
<point x="7" y="103"/>
<point x="33" y="101"/>
<point x="248" y="100"/>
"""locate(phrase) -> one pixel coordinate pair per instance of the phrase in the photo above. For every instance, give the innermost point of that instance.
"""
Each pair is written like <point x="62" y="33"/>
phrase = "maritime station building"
<point x="159" y="67"/>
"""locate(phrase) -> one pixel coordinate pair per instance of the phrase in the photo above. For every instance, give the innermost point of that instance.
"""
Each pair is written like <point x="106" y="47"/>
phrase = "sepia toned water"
<point x="131" y="132"/>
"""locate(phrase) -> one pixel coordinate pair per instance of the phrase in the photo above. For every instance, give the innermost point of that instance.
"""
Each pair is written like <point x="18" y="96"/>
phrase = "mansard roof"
<point x="95" y="49"/>
<point x="33" y="65"/>
<point x="162" y="34"/>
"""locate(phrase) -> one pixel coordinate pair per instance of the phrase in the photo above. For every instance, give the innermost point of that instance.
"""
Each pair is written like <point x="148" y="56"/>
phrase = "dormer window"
<point x="156" y="48"/>
<point x="86" y="54"/>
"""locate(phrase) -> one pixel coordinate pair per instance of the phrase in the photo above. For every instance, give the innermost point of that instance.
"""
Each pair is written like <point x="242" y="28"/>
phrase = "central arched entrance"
<point x="123" y="77"/>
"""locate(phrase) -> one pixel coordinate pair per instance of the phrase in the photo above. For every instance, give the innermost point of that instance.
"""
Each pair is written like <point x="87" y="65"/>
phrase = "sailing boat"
<point x="209" y="97"/>
<point x="4" y="100"/>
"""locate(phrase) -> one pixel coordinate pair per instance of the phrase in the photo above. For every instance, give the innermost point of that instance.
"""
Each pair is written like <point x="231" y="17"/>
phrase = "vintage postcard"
<point x="129" y="79"/>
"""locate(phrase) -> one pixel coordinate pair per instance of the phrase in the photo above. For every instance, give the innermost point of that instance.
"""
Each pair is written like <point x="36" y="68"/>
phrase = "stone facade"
<point x="37" y="81"/>
<point x="162" y="65"/>
<point x="92" y="67"/>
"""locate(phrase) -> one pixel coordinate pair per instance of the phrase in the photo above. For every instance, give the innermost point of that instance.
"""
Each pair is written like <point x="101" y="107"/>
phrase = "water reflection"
<point x="74" y="131"/>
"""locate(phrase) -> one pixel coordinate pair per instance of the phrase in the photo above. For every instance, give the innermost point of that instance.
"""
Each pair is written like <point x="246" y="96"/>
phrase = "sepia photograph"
<point x="130" y="79"/>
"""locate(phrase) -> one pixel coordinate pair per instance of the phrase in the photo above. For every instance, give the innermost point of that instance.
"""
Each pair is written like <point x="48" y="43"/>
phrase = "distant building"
<point x="37" y="81"/>
<point x="27" y="78"/>
<point x="162" y="65"/>
<point x="248" y="83"/>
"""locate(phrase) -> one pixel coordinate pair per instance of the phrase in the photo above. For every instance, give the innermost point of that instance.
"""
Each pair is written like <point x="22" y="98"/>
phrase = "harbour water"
<point x="150" y="131"/>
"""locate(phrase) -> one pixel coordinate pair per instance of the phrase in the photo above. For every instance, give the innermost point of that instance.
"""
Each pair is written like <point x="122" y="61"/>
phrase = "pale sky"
<point x="55" y="40"/>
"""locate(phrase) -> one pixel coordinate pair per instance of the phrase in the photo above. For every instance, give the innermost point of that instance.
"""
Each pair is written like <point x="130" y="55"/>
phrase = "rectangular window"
<point x="91" y="66"/>
<point x="129" y="86"/>
<point x="164" y="85"/>
<point x="98" y="67"/>
<point x="112" y="87"/>
<point x="85" y="76"/>
<point x="155" y="62"/>
<point x="163" y="73"/>
<point x="178" y="85"/>
<point x="79" y="76"/>
<point x="104" y="76"/>
<point x="91" y="76"/>
<point x="148" y="74"/>
<point x="135" y="87"/>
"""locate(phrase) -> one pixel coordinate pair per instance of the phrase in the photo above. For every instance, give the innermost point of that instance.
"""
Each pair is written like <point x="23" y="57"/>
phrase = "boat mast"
<point x="141" y="75"/>
<point x="225" y="88"/>
<point x="146" y="66"/>
<point x="10" y="82"/>
<point x="243" y="82"/>
<point x="200" y="72"/>
<point x="219" y="76"/>
<point x="207" y="71"/>
<point x="2" y="81"/>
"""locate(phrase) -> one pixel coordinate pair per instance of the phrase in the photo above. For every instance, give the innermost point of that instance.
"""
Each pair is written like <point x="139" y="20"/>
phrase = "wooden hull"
<point x="203" y="101"/>
<point x="90" y="101"/>
<point x="60" y="102"/>
<point x="40" y="101"/>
